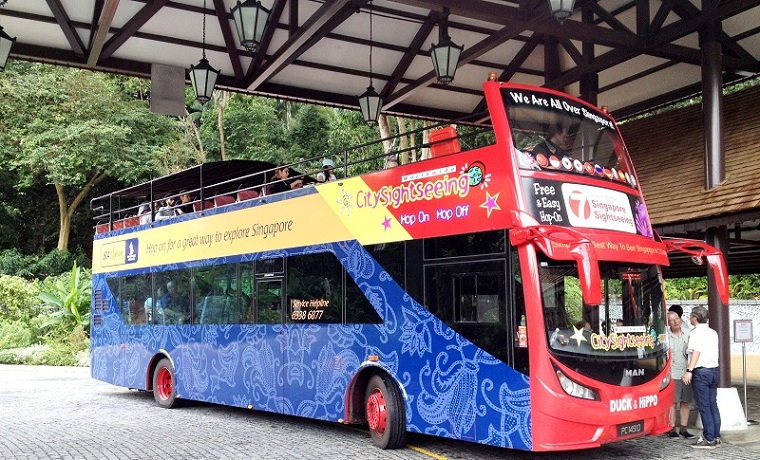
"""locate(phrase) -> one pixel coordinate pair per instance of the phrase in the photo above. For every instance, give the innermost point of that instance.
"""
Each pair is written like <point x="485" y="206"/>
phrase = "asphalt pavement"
<point x="61" y="413"/>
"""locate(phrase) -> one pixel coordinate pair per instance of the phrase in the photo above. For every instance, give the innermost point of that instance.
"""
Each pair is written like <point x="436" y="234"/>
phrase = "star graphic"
<point x="578" y="336"/>
<point x="387" y="223"/>
<point x="490" y="203"/>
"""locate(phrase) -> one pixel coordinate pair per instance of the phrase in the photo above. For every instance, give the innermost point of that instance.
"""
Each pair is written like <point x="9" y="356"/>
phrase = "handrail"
<point x="113" y="210"/>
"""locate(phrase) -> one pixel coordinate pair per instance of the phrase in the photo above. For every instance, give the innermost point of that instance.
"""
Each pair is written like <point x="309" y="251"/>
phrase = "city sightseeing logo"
<point x="423" y="186"/>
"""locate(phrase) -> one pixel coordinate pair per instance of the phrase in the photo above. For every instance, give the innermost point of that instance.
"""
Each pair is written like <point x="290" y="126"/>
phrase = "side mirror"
<point x="700" y="251"/>
<point x="552" y="240"/>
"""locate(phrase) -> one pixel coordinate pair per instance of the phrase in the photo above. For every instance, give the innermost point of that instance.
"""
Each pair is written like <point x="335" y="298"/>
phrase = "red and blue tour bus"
<point x="509" y="294"/>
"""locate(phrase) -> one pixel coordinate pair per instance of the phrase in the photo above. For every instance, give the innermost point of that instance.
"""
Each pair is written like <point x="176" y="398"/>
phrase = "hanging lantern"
<point x="370" y="104"/>
<point x="445" y="54"/>
<point x="445" y="60"/>
<point x="203" y="76"/>
<point x="6" y="43"/>
<point x="250" y="21"/>
<point x="561" y="9"/>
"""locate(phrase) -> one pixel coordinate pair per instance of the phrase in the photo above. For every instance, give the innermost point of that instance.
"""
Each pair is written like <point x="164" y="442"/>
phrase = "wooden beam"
<point x="229" y="41"/>
<point x="132" y="26"/>
<point x="322" y="22"/>
<point x="104" y="24"/>
<point x="59" y="13"/>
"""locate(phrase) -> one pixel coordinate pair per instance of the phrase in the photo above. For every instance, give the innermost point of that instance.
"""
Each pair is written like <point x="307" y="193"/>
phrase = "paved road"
<point x="60" y="413"/>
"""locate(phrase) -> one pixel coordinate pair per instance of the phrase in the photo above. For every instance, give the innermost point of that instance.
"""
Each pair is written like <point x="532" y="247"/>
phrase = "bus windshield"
<point x="629" y="324"/>
<point x="558" y="134"/>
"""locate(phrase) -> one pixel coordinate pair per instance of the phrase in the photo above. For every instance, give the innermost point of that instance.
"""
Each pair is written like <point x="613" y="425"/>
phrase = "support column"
<point x="719" y="319"/>
<point x="712" y="105"/>
<point x="712" y="110"/>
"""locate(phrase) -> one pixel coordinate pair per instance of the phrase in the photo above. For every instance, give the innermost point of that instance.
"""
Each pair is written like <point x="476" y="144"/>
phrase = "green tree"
<point x="311" y="133"/>
<point x="252" y="130"/>
<point x="73" y="129"/>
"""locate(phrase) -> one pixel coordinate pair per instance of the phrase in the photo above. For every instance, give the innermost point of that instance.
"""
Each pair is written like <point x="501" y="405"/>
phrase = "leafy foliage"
<point x="16" y="334"/>
<point x="18" y="298"/>
<point x="13" y="262"/>
<point x="743" y="287"/>
<point x="686" y="288"/>
<point x="72" y="129"/>
<point x="68" y="296"/>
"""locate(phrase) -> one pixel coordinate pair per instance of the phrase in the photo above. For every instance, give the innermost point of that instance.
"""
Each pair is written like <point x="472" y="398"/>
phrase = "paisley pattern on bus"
<point x="305" y="369"/>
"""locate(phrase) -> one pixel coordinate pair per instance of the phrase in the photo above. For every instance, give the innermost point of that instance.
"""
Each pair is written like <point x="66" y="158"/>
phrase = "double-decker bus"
<point x="506" y="291"/>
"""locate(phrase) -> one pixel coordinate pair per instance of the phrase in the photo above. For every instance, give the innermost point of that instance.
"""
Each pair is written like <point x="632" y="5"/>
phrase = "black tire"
<point x="165" y="385"/>
<point x="386" y="413"/>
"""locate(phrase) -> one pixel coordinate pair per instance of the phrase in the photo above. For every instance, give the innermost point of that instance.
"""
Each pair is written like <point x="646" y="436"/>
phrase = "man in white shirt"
<point x="702" y="373"/>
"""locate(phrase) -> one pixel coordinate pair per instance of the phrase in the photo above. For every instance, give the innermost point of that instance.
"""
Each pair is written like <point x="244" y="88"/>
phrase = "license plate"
<point x="628" y="429"/>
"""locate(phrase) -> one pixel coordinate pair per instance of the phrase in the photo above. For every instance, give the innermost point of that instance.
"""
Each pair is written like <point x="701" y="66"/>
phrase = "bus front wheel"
<point x="385" y="413"/>
<point x="164" y="385"/>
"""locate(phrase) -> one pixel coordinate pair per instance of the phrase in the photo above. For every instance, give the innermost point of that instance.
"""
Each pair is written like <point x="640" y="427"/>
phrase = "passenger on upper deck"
<point x="281" y="183"/>
<point x="185" y="205"/>
<point x="167" y="210"/>
<point x="278" y="180"/>
<point x="556" y="143"/>
<point x="144" y="212"/>
<point x="326" y="175"/>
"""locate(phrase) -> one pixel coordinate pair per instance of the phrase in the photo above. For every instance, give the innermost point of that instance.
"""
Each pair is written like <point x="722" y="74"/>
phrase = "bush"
<point x="16" y="334"/>
<point x="18" y="298"/>
<point x="68" y="298"/>
<point x="13" y="263"/>
<point x="58" y="262"/>
<point x="71" y="351"/>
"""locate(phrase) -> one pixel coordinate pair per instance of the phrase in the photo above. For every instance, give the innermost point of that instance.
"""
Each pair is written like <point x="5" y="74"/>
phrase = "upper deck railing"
<point x="221" y="183"/>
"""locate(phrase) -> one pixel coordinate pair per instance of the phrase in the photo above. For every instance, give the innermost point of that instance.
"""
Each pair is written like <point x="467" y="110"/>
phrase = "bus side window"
<point x="133" y="293"/>
<point x="245" y="302"/>
<point x="268" y="301"/>
<point x="315" y="289"/>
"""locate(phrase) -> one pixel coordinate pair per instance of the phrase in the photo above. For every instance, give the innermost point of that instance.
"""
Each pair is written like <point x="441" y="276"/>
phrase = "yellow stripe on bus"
<point x="296" y="222"/>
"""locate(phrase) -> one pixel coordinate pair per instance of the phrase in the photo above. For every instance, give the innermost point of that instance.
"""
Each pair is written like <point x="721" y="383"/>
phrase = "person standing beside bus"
<point x="678" y="341"/>
<point x="702" y="373"/>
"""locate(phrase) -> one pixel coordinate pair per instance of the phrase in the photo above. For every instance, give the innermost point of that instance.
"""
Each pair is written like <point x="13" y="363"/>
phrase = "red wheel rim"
<point x="164" y="384"/>
<point x="377" y="414"/>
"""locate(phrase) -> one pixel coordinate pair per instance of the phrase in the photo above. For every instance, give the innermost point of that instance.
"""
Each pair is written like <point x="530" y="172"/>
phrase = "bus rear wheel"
<point x="385" y="413"/>
<point x="164" y="385"/>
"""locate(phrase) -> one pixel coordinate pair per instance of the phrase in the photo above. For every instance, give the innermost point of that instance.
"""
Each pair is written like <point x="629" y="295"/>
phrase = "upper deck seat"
<point x="206" y="205"/>
<point x="222" y="200"/>
<point x="250" y="194"/>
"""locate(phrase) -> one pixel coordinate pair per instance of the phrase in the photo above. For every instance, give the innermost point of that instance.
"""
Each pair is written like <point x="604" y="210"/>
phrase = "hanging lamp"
<point x="250" y="21"/>
<point x="561" y="9"/>
<point x="6" y="43"/>
<point x="446" y="53"/>
<point x="370" y="102"/>
<point x="203" y="76"/>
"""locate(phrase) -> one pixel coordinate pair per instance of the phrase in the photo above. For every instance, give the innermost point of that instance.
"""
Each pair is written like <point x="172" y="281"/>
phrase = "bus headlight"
<point x="576" y="389"/>
<point x="665" y="381"/>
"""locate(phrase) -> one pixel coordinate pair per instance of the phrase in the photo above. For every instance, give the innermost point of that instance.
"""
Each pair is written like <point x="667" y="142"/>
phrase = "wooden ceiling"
<point x="638" y="53"/>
